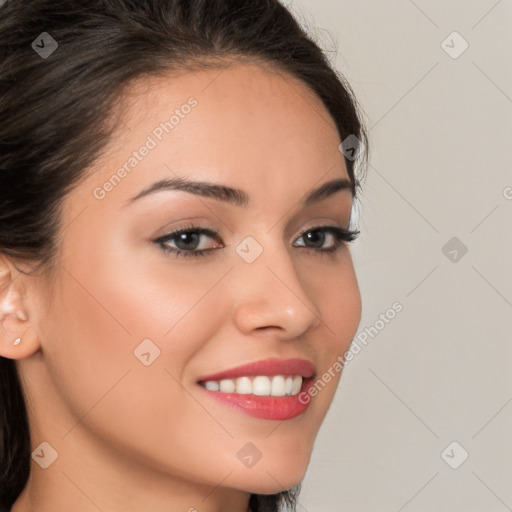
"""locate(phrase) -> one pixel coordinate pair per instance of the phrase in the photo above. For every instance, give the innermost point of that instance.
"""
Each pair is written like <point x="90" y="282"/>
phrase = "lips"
<point x="268" y="389"/>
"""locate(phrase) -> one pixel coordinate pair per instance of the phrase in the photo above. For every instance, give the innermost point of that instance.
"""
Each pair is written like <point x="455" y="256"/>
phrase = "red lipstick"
<point x="265" y="407"/>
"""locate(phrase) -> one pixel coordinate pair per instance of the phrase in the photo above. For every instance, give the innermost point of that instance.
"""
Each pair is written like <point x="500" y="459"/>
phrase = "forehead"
<point x="244" y="124"/>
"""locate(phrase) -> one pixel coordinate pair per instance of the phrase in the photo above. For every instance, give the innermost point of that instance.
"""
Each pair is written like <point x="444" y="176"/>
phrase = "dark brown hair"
<point x="57" y="116"/>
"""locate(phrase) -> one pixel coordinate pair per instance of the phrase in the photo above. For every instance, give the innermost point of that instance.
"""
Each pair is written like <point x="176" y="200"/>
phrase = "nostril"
<point x="267" y="327"/>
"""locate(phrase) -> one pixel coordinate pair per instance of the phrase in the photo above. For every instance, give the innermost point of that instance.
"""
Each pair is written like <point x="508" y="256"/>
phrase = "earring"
<point x="17" y="341"/>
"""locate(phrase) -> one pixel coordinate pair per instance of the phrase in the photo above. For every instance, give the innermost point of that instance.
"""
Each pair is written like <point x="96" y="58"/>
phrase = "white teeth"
<point x="244" y="386"/>
<point x="278" y="387"/>
<point x="227" y="386"/>
<point x="288" y="385"/>
<point x="212" y="385"/>
<point x="261" y="385"/>
<point x="297" y="383"/>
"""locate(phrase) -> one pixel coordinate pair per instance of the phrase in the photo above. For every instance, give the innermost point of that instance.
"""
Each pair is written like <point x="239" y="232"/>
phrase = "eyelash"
<point x="341" y="236"/>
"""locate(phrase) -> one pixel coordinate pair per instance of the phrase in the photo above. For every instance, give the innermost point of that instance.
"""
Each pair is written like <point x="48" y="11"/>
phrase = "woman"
<point x="177" y="181"/>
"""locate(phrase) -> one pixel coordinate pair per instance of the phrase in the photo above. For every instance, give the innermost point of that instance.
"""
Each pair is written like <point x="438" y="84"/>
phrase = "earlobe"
<point x="14" y="318"/>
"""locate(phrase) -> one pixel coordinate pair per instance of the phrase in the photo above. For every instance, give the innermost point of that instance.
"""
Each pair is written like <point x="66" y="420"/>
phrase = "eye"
<point x="189" y="241"/>
<point x="195" y="241"/>
<point x="326" y="238"/>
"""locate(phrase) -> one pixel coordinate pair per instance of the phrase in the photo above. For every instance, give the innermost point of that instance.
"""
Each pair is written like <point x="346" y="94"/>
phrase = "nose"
<point x="270" y="297"/>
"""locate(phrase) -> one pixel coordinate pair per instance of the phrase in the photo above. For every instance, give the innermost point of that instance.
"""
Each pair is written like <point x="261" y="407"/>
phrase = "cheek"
<point x="339" y="301"/>
<point x="106" y="304"/>
<point x="103" y="310"/>
<point x="335" y="291"/>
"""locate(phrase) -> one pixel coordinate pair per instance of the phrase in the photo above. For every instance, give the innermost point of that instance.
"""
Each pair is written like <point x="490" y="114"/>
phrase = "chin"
<point x="274" y="477"/>
<point x="272" y="484"/>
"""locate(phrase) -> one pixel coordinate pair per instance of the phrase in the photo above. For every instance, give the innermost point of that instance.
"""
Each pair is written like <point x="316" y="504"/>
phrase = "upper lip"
<point x="274" y="366"/>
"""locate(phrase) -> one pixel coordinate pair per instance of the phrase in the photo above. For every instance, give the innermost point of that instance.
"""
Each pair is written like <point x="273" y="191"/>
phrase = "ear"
<point x="15" y="317"/>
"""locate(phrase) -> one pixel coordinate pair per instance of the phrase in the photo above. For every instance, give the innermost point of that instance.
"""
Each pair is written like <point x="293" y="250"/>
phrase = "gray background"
<point x="441" y="132"/>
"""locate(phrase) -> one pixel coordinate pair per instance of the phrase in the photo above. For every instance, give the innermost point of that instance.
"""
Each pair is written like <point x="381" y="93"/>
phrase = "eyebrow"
<point x="235" y="196"/>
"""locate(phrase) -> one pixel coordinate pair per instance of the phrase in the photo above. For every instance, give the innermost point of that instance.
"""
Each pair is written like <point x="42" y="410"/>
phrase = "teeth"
<point x="278" y="386"/>
<point x="227" y="386"/>
<point x="244" y="386"/>
<point x="297" y="383"/>
<point x="261" y="385"/>
<point x="212" y="385"/>
<point x="288" y="385"/>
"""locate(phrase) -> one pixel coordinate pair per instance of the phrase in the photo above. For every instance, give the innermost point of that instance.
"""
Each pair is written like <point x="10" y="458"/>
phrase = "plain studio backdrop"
<point x="423" y="415"/>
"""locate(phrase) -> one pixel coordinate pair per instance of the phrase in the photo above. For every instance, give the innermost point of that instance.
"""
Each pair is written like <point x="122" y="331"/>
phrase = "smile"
<point x="260" y="385"/>
<point x="267" y="389"/>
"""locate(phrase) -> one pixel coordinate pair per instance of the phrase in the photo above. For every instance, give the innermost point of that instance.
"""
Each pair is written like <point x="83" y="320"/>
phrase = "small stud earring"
<point x="17" y="341"/>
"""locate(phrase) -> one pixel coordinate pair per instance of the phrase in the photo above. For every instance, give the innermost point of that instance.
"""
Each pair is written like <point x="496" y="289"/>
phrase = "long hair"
<point x="56" y="119"/>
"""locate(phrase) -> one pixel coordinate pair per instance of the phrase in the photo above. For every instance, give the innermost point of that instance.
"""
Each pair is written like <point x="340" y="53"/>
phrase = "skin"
<point x="131" y="437"/>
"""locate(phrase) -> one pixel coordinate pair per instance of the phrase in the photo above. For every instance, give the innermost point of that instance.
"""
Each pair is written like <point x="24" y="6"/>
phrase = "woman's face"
<point x="133" y="327"/>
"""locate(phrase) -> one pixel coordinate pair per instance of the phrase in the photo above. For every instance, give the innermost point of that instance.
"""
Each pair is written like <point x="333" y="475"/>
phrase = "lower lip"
<point x="265" y="407"/>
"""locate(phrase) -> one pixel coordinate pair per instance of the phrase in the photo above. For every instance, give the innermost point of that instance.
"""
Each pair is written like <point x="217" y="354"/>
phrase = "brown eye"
<point x="190" y="241"/>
